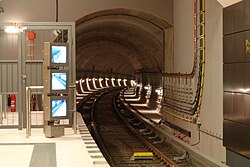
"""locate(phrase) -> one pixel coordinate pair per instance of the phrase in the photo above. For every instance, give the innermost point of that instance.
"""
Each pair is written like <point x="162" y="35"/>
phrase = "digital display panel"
<point x="58" y="54"/>
<point x="58" y="81"/>
<point x="58" y="108"/>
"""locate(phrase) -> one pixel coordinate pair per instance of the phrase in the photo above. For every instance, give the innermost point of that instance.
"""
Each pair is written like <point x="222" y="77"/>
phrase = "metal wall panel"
<point x="34" y="74"/>
<point x="10" y="82"/>
<point x="235" y="160"/>
<point x="235" y="17"/>
<point x="247" y="13"/>
<point x="236" y="101"/>
<point x="4" y="77"/>
<point x="247" y="77"/>
<point x="229" y="134"/>
<point x="237" y="76"/>
<point x="227" y="20"/>
<point x="228" y="49"/>
<point x="8" y="45"/>
<point x="238" y="107"/>
<point x="238" y="47"/>
<point x="238" y="17"/>
<point x="228" y="105"/>
<point x="237" y="136"/>
<point x="227" y="77"/>
<point x="15" y="77"/>
<point x="247" y="110"/>
<point x="8" y="77"/>
<point x="234" y="47"/>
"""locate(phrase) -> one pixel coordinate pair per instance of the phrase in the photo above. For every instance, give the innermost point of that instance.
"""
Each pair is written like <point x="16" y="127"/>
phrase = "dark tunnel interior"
<point x="120" y="41"/>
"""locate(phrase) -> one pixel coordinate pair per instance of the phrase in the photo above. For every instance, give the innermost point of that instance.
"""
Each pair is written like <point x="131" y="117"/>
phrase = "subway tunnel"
<point x="120" y="41"/>
<point x="151" y="43"/>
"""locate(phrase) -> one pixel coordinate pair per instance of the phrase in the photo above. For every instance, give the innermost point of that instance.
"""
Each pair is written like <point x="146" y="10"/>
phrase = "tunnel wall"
<point x="72" y="10"/>
<point x="212" y="108"/>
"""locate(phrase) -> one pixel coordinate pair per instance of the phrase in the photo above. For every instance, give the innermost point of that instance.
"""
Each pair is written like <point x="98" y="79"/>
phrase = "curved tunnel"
<point x="120" y="41"/>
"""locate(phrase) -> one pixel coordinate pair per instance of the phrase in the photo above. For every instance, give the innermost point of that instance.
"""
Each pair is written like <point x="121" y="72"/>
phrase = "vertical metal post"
<point x="73" y="87"/>
<point x="27" y="112"/>
<point x="1" y="109"/>
<point x="5" y="106"/>
<point x="21" y="43"/>
<point x="75" y="114"/>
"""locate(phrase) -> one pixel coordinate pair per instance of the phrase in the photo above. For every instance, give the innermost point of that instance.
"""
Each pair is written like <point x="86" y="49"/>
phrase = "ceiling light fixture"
<point x="14" y="30"/>
<point x="11" y="29"/>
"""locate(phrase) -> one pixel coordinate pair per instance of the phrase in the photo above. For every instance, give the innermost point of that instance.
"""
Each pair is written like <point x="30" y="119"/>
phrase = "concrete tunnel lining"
<point x="125" y="40"/>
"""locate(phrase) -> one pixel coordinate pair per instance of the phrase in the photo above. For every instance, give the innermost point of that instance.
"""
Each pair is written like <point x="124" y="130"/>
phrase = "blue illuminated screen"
<point x="59" y="81"/>
<point x="59" y="107"/>
<point x="59" y="54"/>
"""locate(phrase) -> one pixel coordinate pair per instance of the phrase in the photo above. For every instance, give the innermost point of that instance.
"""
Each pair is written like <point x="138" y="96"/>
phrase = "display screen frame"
<point x="64" y="45"/>
<point x="59" y="91"/>
<point x="53" y="98"/>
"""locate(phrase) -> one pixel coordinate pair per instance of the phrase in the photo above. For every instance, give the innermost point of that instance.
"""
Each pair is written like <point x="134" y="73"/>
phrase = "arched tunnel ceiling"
<point x="120" y="40"/>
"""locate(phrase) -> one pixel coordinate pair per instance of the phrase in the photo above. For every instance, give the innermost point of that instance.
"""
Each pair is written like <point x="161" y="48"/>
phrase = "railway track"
<point x="117" y="140"/>
<point x="119" y="134"/>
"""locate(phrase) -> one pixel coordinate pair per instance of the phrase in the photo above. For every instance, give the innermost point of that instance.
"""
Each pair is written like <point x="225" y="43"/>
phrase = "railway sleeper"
<point x="127" y="114"/>
<point x="159" y="141"/>
<point x="181" y="158"/>
<point x="131" y="119"/>
<point x="143" y="130"/>
<point x="147" y="133"/>
<point x="122" y="111"/>
<point x="137" y="123"/>
<point x="153" y="137"/>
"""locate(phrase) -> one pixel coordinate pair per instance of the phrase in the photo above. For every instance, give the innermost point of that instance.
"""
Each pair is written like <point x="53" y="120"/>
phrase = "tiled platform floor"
<point x="69" y="150"/>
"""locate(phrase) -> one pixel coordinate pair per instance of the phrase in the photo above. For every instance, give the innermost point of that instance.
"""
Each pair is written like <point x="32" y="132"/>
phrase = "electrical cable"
<point x="200" y="84"/>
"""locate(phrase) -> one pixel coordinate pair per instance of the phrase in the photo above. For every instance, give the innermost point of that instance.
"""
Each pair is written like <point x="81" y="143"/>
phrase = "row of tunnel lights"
<point x="133" y="83"/>
<point x="119" y="81"/>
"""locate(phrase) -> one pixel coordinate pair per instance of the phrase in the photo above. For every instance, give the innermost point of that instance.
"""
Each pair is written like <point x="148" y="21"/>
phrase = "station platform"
<point x="74" y="150"/>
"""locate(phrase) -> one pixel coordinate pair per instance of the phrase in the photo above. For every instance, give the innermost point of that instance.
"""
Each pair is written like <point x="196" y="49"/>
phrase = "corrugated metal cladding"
<point x="34" y="73"/>
<point x="8" y="77"/>
<point x="236" y="72"/>
<point x="8" y="62"/>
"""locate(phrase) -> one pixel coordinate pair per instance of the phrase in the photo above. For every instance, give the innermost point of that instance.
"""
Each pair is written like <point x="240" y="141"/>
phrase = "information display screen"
<point x="58" y="108"/>
<point x="59" y="81"/>
<point x="58" y="54"/>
